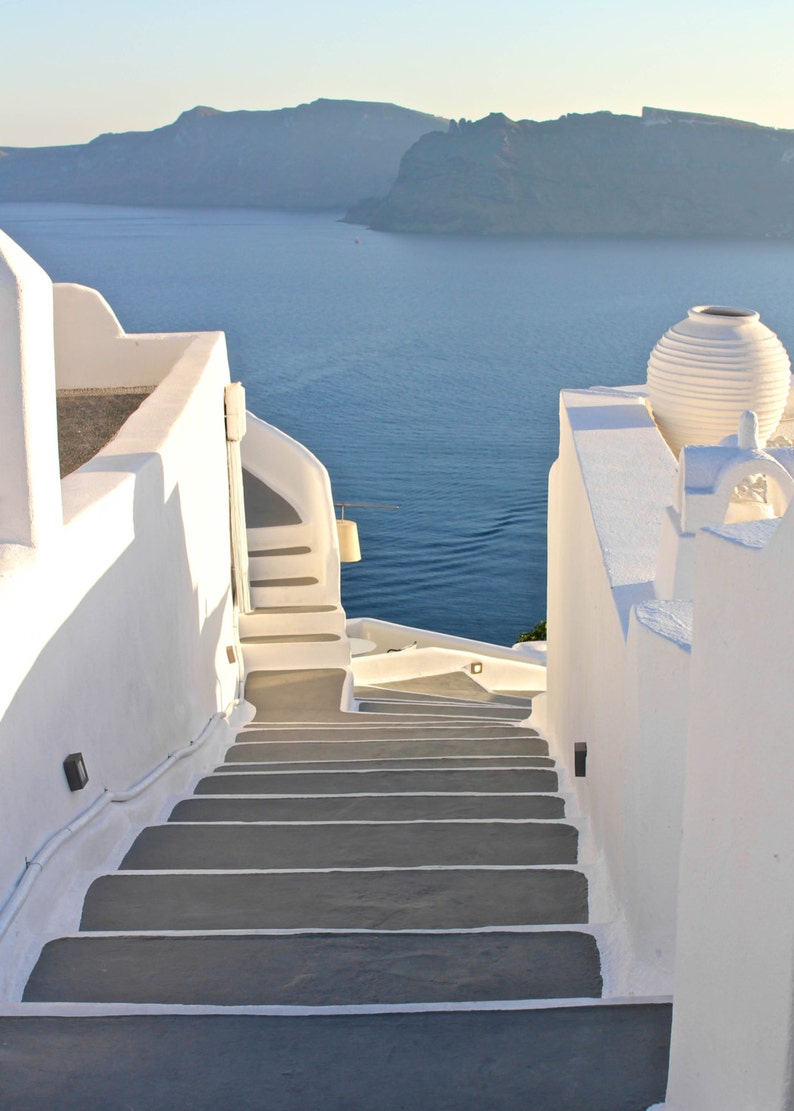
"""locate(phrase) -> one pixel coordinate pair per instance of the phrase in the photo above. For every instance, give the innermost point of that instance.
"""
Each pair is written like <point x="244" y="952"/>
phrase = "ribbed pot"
<point x="708" y="369"/>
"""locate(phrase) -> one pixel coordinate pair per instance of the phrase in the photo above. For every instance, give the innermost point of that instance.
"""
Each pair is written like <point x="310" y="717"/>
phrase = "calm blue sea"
<point x="423" y="371"/>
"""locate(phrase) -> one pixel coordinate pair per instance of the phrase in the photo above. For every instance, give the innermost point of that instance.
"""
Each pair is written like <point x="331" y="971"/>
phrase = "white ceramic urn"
<point x="709" y="369"/>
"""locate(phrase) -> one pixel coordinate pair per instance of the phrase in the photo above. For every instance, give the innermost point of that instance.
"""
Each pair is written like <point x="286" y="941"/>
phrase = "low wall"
<point x="606" y="676"/>
<point x="733" y="1020"/>
<point x="92" y="349"/>
<point x="116" y="632"/>
<point x="496" y="674"/>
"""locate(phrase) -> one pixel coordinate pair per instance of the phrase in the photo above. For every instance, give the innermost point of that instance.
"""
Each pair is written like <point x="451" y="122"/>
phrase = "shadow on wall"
<point x="129" y="677"/>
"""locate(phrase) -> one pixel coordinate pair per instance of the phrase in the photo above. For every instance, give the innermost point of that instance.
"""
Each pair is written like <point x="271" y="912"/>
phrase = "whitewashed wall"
<point x="686" y="706"/>
<point x="114" y="628"/>
<point x="92" y="349"/>
<point x="733" y="1019"/>
<point x="30" y="494"/>
<point x="607" y="492"/>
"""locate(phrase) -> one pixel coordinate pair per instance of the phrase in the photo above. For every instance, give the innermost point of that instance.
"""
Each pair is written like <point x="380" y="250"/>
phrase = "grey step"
<point x="299" y="580"/>
<point x="454" y="683"/>
<point x="315" y="970"/>
<point x="350" y="845"/>
<point x="599" y="1058"/>
<point x="298" y="749"/>
<point x="246" y="758"/>
<point x="383" y="694"/>
<point x="522" y="780"/>
<point x="300" y="549"/>
<point x="436" y="733"/>
<point x="293" y="609"/>
<point x="307" y="717"/>
<point x="292" y="638"/>
<point x="402" y="899"/>
<point x="378" y="808"/>
<point x="307" y="695"/>
<point x="475" y="711"/>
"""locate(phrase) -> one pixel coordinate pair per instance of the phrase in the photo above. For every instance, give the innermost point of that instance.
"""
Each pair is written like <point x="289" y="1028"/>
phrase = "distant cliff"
<point x="666" y="173"/>
<point x="327" y="154"/>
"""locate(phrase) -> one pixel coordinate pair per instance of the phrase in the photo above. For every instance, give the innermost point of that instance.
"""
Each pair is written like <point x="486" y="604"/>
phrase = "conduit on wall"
<point x="234" y="398"/>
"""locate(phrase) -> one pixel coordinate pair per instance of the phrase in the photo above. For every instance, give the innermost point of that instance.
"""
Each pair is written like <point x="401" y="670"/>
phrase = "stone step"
<point x="268" y="749"/>
<point x="390" y="899"/>
<point x="315" y="695"/>
<point x="488" y="698"/>
<point x="296" y="550"/>
<point x="268" y="610"/>
<point x="456" y="683"/>
<point x="592" y="1058"/>
<point x="351" y="845"/>
<point x="272" y="621"/>
<point x="522" y="780"/>
<point x="372" y="808"/>
<point x="290" y="638"/>
<point x="473" y="711"/>
<point x="279" y="563"/>
<point x="294" y="580"/>
<point x="247" y="758"/>
<point x="315" y="970"/>
<point x="308" y="652"/>
<point x="366" y="728"/>
<point x="288" y="590"/>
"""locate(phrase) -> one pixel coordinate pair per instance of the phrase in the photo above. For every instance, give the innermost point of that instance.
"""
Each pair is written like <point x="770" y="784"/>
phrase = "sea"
<point x="424" y="371"/>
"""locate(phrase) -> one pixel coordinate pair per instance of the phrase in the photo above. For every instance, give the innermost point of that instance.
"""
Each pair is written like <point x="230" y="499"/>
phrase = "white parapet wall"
<point x="391" y="653"/>
<point x="671" y="661"/>
<point x="733" y="1019"/>
<point x="93" y="350"/>
<point x="115" y="628"/>
<point x="608" y="674"/>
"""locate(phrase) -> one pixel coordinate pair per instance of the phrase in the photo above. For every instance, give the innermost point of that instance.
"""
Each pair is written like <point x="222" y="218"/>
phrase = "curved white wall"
<point x="293" y="471"/>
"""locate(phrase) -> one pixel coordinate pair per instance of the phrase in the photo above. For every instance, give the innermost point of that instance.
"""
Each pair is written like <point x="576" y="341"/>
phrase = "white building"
<point x="127" y="639"/>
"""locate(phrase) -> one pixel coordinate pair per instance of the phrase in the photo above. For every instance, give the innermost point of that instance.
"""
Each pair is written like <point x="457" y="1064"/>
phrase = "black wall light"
<point x="580" y="759"/>
<point x="76" y="775"/>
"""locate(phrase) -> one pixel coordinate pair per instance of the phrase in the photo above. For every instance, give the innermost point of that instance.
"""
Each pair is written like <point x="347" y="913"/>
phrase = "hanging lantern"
<point x="347" y="534"/>
<point x="347" y="531"/>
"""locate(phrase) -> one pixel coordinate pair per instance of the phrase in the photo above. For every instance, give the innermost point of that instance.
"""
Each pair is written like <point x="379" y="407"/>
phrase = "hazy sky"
<point x="74" y="68"/>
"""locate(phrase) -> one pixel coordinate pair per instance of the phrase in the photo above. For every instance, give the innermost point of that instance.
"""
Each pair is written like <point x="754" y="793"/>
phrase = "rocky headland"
<point x="327" y="154"/>
<point x="659" y="174"/>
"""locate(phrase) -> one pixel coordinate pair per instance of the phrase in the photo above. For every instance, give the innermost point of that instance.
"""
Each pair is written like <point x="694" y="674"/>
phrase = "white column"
<point x="30" y="488"/>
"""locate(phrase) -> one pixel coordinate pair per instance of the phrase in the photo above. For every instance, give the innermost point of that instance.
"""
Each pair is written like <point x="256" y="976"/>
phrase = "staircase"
<point x="374" y="911"/>
<point x="296" y="620"/>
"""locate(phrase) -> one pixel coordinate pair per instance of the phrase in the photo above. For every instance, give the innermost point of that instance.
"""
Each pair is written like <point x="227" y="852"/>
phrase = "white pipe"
<point x="36" y="865"/>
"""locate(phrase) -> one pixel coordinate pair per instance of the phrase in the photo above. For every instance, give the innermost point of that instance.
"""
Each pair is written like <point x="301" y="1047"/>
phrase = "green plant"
<point x="538" y="632"/>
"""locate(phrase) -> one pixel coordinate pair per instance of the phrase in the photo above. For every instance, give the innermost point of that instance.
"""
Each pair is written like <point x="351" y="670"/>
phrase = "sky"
<point x="72" y="69"/>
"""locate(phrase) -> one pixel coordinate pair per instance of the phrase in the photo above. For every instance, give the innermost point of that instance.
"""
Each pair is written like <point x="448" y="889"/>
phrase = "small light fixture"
<point x="476" y="668"/>
<point x="231" y="655"/>
<point x="347" y="535"/>
<point x="580" y="759"/>
<point x="76" y="775"/>
<point x="347" y="530"/>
